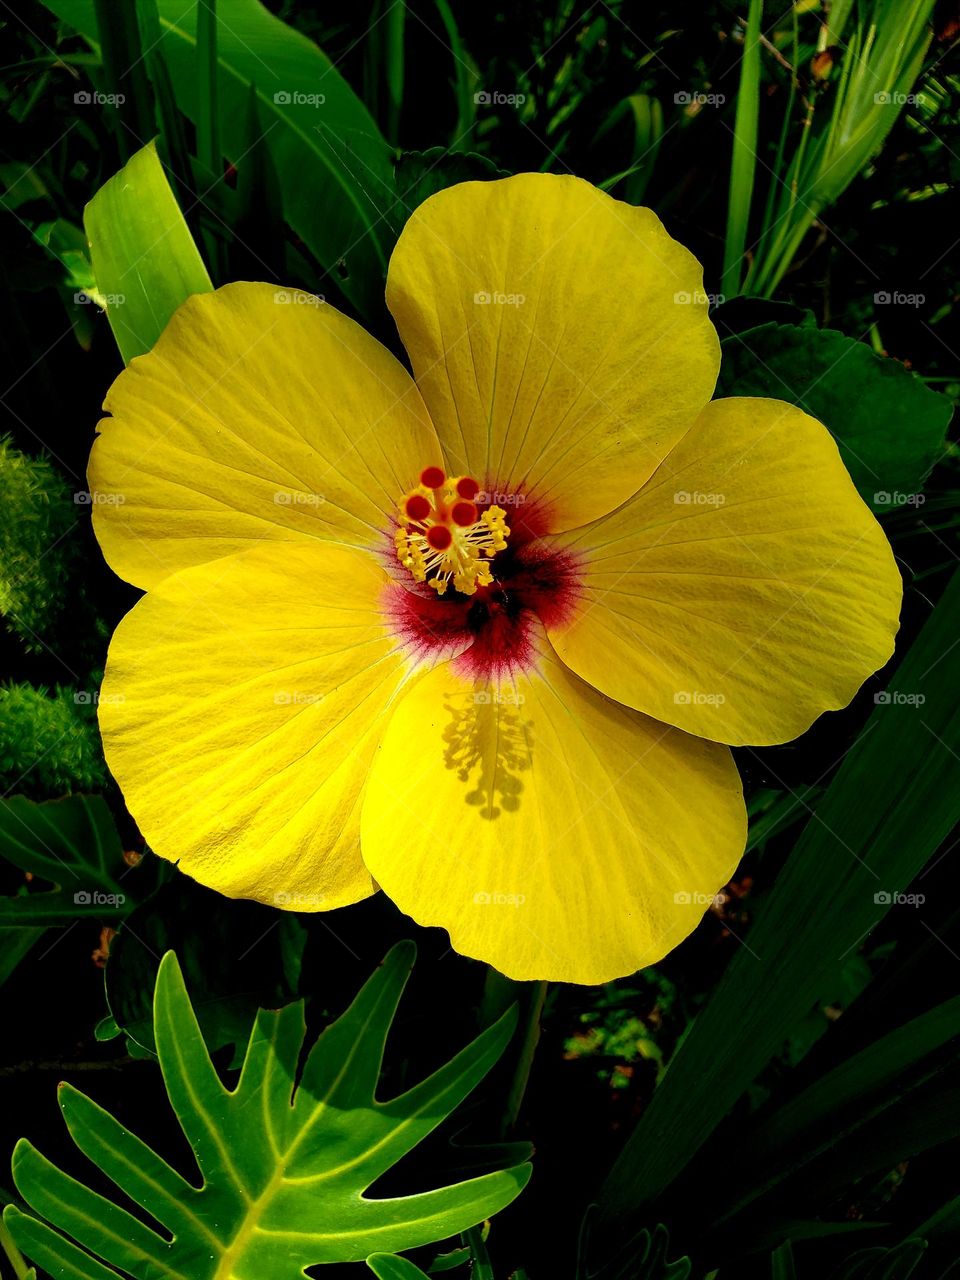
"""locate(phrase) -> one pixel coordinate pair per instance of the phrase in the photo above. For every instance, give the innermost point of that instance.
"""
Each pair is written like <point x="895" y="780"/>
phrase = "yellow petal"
<point x="559" y="337"/>
<point x="555" y="834"/>
<point x="744" y="590"/>
<point x="260" y="413"/>
<point x="239" y="713"/>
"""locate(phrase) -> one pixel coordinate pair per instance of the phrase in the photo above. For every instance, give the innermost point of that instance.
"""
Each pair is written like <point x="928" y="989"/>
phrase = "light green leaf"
<point x="334" y="164"/>
<point x="72" y="844"/>
<point x="144" y="259"/>
<point x="888" y="425"/>
<point x="284" y="1160"/>
<point x="14" y="1256"/>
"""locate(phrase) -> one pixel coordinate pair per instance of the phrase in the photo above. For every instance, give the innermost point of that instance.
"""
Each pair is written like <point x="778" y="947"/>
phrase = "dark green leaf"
<point x="922" y="1119"/>
<point x="767" y="1234"/>
<point x="737" y="315"/>
<point x="106" y="1029"/>
<point x="15" y="943"/>
<point x="646" y="119"/>
<point x="832" y="1110"/>
<point x="908" y="762"/>
<point x="68" y="245"/>
<point x="125" y="72"/>
<point x="466" y="73"/>
<point x="448" y="1261"/>
<point x="883" y="1264"/>
<point x="643" y="1257"/>
<point x="232" y="954"/>
<point x="781" y="1263"/>
<point x="421" y="174"/>
<point x="387" y="1266"/>
<point x="942" y="1225"/>
<point x="888" y="425"/>
<point x="73" y="845"/>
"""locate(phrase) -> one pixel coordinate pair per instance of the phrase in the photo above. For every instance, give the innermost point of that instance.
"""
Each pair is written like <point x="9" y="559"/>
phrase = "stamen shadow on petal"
<point x="489" y="743"/>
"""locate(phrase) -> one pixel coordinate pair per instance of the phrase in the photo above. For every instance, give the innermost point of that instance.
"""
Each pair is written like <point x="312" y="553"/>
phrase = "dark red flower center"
<point x="493" y="630"/>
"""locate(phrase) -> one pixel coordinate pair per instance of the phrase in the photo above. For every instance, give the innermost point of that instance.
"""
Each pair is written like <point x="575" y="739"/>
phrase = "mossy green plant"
<point x="49" y="743"/>
<point x="37" y="552"/>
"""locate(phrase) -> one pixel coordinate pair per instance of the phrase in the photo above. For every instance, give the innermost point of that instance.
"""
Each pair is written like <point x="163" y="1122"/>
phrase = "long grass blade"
<point x="744" y="161"/>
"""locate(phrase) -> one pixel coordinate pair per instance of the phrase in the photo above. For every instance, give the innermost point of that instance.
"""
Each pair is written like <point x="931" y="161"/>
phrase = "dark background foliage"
<point x="603" y="1050"/>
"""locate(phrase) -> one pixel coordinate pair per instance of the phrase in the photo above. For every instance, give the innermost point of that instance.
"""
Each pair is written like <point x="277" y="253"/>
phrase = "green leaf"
<point x="772" y="812"/>
<point x="125" y="73"/>
<point x="421" y="174"/>
<point x="387" y="1266"/>
<point x="908" y="762"/>
<point x="393" y="27"/>
<point x="942" y="1225"/>
<point x="771" y="1234"/>
<point x="231" y="952"/>
<point x="923" y="1118"/>
<point x="782" y="1264"/>
<point x="883" y="1264"/>
<point x="144" y="258"/>
<point x="106" y="1028"/>
<point x="644" y="1257"/>
<point x="768" y="1234"/>
<point x="68" y="245"/>
<point x="73" y="845"/>
<point x="168" y="114"/>
<point x="888" y="425"/>
<point x="334" y="164"/>
<point x="743" y="162"/>
<point x="646" y="119"/>
<point x="450" y="1261"/>
<point x="14" y="1256"/>
<point x="737" y="315"/>
<point x="883" y="44"/>
<point x="208" y="116"/>
<point x="466" y="73"/>
<point x="284" y="1159"/>
<point x="866" y="1264"/>
<point x="832" y="1110"/>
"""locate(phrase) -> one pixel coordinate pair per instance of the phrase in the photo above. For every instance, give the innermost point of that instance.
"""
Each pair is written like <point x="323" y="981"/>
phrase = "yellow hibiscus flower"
<point x="483" y="636"/>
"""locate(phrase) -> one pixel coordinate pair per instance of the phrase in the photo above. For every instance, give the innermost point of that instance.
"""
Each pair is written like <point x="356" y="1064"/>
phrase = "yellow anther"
<point x="444" y="540"/>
